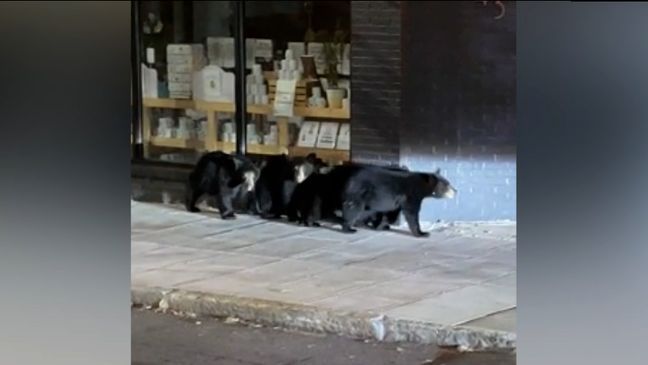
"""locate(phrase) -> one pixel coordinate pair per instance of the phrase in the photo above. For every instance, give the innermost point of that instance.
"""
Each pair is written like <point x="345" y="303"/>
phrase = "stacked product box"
<point x="182" y="61"/>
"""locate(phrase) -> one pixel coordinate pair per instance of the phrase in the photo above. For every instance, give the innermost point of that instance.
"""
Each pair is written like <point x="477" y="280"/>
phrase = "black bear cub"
<point x="380" y="190"/>
<point x="319" y="195"/>
<point x="278" y="178"/>
<point x="222" y="176"/>
<point x="269" y="188"/>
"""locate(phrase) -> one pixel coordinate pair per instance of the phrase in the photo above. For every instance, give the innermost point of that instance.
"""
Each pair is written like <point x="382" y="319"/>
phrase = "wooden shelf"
<point x="177" y="143"/>
<point x="211" y="106"/>
<point x="168" y="103"/>
<point x="225" y="107"/>
<point x="258" y="149"/>
<point x="323" y="153"/>
<point x="332" y="156"/>
<point x="311" y="112"/>
<point x="214" y="106"/>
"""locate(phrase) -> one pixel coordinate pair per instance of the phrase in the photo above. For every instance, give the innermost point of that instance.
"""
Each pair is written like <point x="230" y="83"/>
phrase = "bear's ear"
<point x="438" y="171"/>
<point x="430" y="179"/>
<point x="312" y="157"/>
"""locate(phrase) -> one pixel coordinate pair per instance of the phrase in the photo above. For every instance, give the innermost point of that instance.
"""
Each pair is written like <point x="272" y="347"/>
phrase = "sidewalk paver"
<point x="462" y="274"/>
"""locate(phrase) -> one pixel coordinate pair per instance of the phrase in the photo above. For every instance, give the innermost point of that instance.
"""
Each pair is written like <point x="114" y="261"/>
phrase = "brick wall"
<point x="376" y="81"/>
<point x="458" y="104"/>
<point x="433" y="85"/>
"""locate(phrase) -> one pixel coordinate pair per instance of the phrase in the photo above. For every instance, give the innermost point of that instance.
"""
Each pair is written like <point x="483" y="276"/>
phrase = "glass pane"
<point x="187" y="77"/>
<point x="301" y="50"/>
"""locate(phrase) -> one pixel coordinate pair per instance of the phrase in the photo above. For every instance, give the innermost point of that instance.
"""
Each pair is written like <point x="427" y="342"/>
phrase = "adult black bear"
<point x="363" y="192"/>
<point x="278" y="178"/>
<point x="380" y="190"/>
<point x="222" y="176"/>
<point x="320" y="197"/>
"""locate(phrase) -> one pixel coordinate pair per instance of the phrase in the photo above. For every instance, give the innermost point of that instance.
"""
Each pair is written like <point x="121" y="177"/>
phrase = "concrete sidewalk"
<point x="463" y="275"/>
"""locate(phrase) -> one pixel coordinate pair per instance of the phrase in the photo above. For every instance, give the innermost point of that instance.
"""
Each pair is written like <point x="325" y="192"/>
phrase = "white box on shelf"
<point x="190" y="61"/>
<point x="263" y="49"/>
<point x="184" y="68"/>
<point x="180" y="77"/>
<point x="184" y="49"/>
<point x="212" y="83"/>
<point x="308" y="134"/>
<point x="344" y="137"/>
<point x="186" y="54"/>
<point x="149" y="82"/>
<point x="327" y="135"/>
<point x="298" y="49"/>
<point x="182" y="87"/>
<point x="284" y="102"/>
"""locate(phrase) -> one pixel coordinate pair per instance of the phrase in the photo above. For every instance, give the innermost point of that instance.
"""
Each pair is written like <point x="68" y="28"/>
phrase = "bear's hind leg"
<point x="192" y="195"/>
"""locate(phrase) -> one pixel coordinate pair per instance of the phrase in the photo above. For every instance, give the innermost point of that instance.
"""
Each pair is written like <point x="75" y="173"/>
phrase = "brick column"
<point x="375" y="81"/>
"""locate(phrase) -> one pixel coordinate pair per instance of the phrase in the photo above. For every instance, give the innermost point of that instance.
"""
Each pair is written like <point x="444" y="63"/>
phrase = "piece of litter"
<point x="378" y="327"/>
<point x="231" y="320"/>
<point x="148" y="307"/>
<point x="399" y="349"/>
<point x="198" y="323"/>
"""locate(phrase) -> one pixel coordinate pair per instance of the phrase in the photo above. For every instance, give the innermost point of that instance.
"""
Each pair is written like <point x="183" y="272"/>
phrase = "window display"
<point x="297" y="79"/>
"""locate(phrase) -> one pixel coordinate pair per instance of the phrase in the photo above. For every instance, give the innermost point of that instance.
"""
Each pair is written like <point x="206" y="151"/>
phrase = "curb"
<point x="313" y="319"/>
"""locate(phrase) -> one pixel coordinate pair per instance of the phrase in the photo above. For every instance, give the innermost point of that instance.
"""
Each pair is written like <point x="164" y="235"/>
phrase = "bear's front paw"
<point x="422" y="234"/>
<point x="228" y="216"/>
<point x="193" y="210"/>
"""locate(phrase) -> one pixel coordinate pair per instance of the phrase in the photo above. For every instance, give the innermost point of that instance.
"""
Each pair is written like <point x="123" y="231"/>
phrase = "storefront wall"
<point x="432" y="85"/>
<point x="189" y="94"/>
<point x="437" y="80"/>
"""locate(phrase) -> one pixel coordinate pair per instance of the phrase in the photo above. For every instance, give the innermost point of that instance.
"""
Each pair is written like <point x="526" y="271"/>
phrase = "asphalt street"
<point x="159" y="338"/>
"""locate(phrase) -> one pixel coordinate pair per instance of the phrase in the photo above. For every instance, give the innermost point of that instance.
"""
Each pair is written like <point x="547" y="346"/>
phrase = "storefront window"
<point x="188" y="78"/>
<point x="306" y="42"/>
